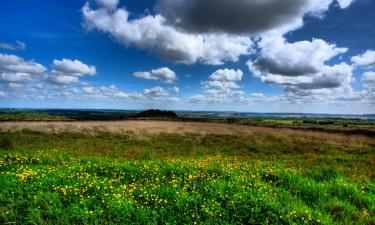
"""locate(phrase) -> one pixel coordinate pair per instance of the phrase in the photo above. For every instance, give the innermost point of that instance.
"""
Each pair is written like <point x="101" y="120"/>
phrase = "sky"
<point x="291" y="56"/>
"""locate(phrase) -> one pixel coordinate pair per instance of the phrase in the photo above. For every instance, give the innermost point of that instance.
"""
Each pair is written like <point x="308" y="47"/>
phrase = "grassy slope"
<point x="185" y="178"/>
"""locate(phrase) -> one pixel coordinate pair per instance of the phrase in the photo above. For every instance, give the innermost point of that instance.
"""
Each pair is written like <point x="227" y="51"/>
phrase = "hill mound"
<point x="155" y="113"/>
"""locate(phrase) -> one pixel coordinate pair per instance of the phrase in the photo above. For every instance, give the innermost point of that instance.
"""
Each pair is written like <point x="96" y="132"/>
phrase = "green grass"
<point x="77" y="178"/>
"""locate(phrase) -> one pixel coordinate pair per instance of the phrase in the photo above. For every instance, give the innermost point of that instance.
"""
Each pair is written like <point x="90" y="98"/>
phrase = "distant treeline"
<point x="155" y="113"/>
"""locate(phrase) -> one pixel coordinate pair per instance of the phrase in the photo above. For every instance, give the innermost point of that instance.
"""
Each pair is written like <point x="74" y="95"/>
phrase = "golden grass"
<point x="143" y="127"/>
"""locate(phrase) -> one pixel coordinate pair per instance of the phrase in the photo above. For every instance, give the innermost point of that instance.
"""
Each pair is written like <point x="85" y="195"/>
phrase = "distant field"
<point x="150" y="126"/>
<point x="296" y="120"/>
<point x="163" y="172"/>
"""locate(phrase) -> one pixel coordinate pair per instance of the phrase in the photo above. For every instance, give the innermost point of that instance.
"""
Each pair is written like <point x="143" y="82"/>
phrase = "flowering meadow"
<point x="114" y="179"/>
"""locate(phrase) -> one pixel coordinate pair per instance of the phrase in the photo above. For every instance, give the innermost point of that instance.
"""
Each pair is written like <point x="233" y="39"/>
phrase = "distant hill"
<point x="155" y="113"/>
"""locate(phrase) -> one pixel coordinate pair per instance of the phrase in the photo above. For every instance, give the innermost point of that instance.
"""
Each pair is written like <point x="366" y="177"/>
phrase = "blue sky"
<point x="318" y="58"/>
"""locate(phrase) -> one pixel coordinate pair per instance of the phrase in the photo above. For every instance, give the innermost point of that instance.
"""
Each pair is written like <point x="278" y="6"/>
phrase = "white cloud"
<point x="220" y="84"/>
<point x="277" y="56"/>
<point x="345" y="3"/>
<point x="13" y="63"/>
<point x="13" y="47"/>
<point x="121" y="94"/>
<point x="73" y="67"/>
<point x="15" y="72"/>
<point x="14" y="77"/>
<point x="153" y="34"/>
<point x="163" y="74"/>
<point x="220" y="88"/>
<point x="300" y="64"/>
<point x="67" y="71"/>
<point x="368" y="80"/>
<point x="209" y="32"/>
<point x="223" y="79"/>
<point x="112" y="93"/>
<point x="63" y="79"/>
<point x="175" y="90"/>
<point x="227" y="75"/>
<point x="155" y="94"/>
<point x="109" y="4"/>
<point x="366" y="59"/>
<point x="302" y="69"/>
<point x="212" y="96"/>
<point x="88" y="89"/>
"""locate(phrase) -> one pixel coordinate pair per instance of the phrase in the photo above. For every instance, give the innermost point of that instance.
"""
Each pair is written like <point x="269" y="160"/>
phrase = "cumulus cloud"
<point x="67" y="71"/>
<point x="153" y="34"/>
<point x="366" y="59"/>
<point x="14" y="71"/>
<point x="73" y="67"/>
<point x="302" y="69"/>
<point x="345" y="3"/>
<point x="227" y="75"/>
<point x="88" y="89"/>
<point x="112" y="93"/>
<point x="163" y="74"/>
<point x="300" y="64"/>
<point x="219" y="96"/>
<point x="239" y="16"/>
<point x="14" y="77"/>
<point x="108" y="4"/>
<point x="13" y="47"/>
<point x="277" y="56"/>
<point x="221" y="88"/>
<point x="13" y="63"/>
<point x="155" y="94"/>
<point x="63" y="79"/>
<point x="175" y="90"/>
<point x="368" y="80"/>
<point x="223" y="79"/>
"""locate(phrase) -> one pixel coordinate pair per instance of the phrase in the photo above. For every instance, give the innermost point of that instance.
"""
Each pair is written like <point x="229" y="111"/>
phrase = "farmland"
<point x="168" y="172"/>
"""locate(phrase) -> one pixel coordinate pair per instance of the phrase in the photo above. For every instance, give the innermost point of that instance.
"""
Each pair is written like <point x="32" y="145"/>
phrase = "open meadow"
<point x="165" y="172"/>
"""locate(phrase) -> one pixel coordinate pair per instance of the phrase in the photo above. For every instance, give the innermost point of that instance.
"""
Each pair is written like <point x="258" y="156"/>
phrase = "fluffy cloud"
<point x="13" y="63"/>
<point x="204" y="31"/>
<point x="345" y="3"/>
<point x="62" y="79"/>
<point x="220" y="84"/>
<point x="227" y="75"/>
<point x="13" y="47"/>
<point x="73" y="67"/>
<point x="300" y="64"/>
<point x="240" y="16"/>
<point x="112" y="93"/>
<point x="277" y="56"/>
<point x="175" y="90"/>
<point x="302" y="69"/>
<point x="15" y="71"/>
<point x="14" y="77"/>
<point x="368" y="80"/>
<point x="221" y="88"/>
<point x="108" y="4"/>
<point x="367" y="59"/>
<point x="156" y="94"/>
<point x="67" y="71"/>
<point x="163" y="74"/>
<point x="153" y="34"/>
<point x="219" y="96"/>
<point x="223" y="79"/>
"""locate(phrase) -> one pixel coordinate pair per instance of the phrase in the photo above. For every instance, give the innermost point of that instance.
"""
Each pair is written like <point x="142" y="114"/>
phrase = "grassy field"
<point x="146" y="176"/>
<point x="297" y="120"/>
